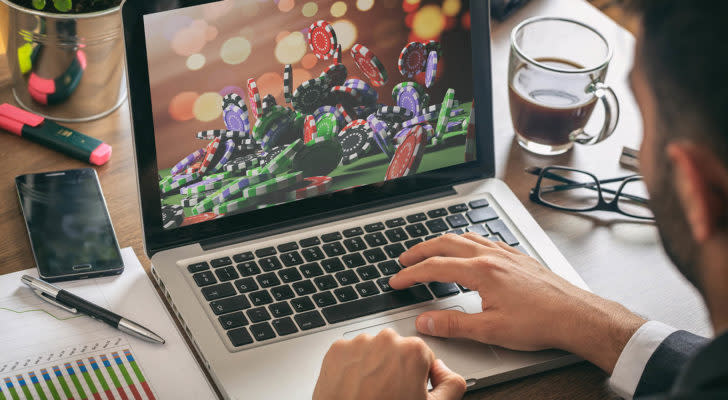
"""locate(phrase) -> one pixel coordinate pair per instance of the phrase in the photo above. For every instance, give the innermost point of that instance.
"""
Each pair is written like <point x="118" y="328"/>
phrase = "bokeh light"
<point x="281" y="35"/>
<point x="191" y="39"/>
<point x="300" y="76"/>
<point x="181" y="106"/>
<point x="292" y="48"/>
<point x="211" y="33"/>
<point x="207" y="107"/>
<point x="410" y="5"/>
<point x="451" y="8"/>
<point x="364" y="5"/>
<point x="235" y="50"/>
<point x="248" y="8"/>
<point x="270" y="83"/>
<point x="173" y="24"/>
<point x="195" y="62"/>
<point x="217" y="9"/>
<point x="233" y="89"/>
<point x="338" y="9"/>
<point x="286" y="5"/>
<point x="309" y="9"/>
<point x="346" y="33"/>
<point x="428" y="22"/>
<point x="309" y="61"/>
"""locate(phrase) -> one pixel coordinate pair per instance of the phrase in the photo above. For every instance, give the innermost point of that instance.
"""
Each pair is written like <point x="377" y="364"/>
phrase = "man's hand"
<point x="386" y="366"/>
<point x="525" y="305"/>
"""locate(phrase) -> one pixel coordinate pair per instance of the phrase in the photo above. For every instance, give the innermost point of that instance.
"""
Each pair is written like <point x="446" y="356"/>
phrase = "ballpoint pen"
<point x="75" y="304"/>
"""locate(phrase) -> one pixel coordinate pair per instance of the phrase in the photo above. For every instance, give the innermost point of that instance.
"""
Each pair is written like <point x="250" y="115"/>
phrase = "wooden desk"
<point x="618" y="258"/>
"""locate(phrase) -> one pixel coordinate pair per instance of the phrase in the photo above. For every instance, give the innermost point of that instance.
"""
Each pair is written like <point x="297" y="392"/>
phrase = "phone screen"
<point x="68" y="224"/>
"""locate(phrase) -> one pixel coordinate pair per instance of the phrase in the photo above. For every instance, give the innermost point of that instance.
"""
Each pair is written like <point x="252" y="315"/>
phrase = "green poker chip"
<point x="259" y="193"/>
<point x="327" y="126"/>
<point x="170" y="186"/>
<point x="283" y="161"/>
<point x="265" y="122"/>
<point x="444" y="116"/>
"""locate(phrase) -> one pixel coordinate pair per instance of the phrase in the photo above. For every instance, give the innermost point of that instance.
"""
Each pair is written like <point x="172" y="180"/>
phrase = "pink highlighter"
<point x="50" y="134"/>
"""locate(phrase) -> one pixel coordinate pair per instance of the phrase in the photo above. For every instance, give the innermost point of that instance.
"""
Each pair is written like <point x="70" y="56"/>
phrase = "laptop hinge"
<point x="321" y="219"/>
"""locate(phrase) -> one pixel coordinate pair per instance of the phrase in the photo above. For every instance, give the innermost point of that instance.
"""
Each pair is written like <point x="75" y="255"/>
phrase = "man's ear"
<point x="701" y="181"/>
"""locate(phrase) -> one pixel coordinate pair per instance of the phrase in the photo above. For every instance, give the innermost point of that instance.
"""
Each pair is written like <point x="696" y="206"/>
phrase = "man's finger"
<point x="446" y="384"/>
<point x="435" y="269"/>
<point x="444" y="246"/>
<point x="451" y="324"/>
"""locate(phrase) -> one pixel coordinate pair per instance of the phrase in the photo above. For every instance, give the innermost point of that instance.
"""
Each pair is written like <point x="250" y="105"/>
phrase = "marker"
<point x="48" y="133"/>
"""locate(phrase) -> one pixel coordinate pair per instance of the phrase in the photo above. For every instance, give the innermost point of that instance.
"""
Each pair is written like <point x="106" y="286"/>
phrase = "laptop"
<point x="269" y="248"/>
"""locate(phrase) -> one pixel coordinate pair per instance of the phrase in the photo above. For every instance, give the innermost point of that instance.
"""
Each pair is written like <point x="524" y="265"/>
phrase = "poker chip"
<point x="252" y="195"/>
<point x="196" y="219"/>
<point x="228" y="192"/>
<point x="309" y="129"/>
<point x="400" y="86"/>
<point x="444" y="117"/>
<point x="172" y="216"/>
<point x="314" y="186"/>
<point x="409" y="99"/>
<point x="369" y="64"/>
<point x="394" y="114"/>
<point x="429" y="130"/>
<point x="431" y="69"/>
<point x="229" y="149"/>
<point x="348" y="96"/>
<point x="274" y="135"/>
<point x="337" y="73"/>
<point x="412" y="59"/>
<point x="187" y="161"/>
<point x="234" y="99"/>
<point x="434" y="45"/>
<point x="203" y="186"/>
<point x="322" y="40"/>
<point x="222" y="134"/>
<point x="371" y="95"/>
<point x="192" y="168"/>
<point x="288" y="83"/>
<point x="453" y="126"/>
<point x="342" y="111"/>
<point x="311" y="94"/>
<point x="265" y="122"/>
<point x="338" y="55"/>
<point x="266" y="157"/>
<point x="380" y="134"/>
<point x="236" y="118"/>
<point x="355" y="140"/>
<point x="178" y="183"/>
<point x="242" y="163"/>
<point x="435" y="108"/>
<point x="318" y="157"/>
<point x="268" y="102"/>
<point x="282" y="162"/>
<point x="193" y="199"/>
<point x="407" y="158"/>
<point x="327" y="126"/>
<point x="209" y="155"/>
<point x="254" y="97"/>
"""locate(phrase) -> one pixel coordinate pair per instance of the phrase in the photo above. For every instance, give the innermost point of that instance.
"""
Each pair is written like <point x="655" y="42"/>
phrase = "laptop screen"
<point x="258" y="103"/>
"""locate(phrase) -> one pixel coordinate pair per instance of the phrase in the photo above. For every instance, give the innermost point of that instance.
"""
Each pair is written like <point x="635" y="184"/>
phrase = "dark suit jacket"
<point x="686" y="366"/>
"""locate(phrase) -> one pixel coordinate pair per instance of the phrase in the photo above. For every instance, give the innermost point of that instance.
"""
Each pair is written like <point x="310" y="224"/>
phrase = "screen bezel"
<point x="157" y="239"/>
<point x="98" y="267"/>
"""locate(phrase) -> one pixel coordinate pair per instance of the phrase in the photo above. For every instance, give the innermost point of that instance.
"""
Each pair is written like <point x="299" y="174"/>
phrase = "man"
<point x="681" y="60"/>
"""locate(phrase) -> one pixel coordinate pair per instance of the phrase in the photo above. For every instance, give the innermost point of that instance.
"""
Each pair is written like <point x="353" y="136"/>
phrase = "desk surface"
<point x="618" y="258"/>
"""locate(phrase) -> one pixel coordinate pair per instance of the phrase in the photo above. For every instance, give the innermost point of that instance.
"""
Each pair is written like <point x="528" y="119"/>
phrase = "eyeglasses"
<point x="581" y="191"/>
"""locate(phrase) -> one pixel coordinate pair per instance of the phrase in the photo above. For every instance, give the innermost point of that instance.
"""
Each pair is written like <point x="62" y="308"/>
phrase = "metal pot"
<point x="66" y="67"/>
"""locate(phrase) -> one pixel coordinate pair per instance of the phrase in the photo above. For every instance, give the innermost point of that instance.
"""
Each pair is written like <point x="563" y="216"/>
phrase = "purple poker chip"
<point x="187" y="161"/>
<point x="229" y="150"/>
<point x="272" y="136"/>
<point x="236" y="118"/>
<point x="189" y="189"/>
<point x="381" y="136"/>
<point x="420" y="119"/>
<point x="455" y="113"/>
<point x="429" y="130"/>
<point x="370" y="93"/>
<point x="431" y="69"/>
<point x="409" y="99"/>
<point x="453" y="126"/>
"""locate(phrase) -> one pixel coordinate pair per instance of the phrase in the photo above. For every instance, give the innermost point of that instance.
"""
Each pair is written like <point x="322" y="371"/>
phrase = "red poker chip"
<point x="338" y="57"/>
<point x="209" y="155"/>
<point x="196" y="219"/>
<point x="322" y="40"/>
<point x="315" y="186"/>
<point x="256" y="104"/>
<point x="408" y="156"/>
<point x="369" y="64"/>
<point x="412" y="59"/>
<point x="309" y="129"/>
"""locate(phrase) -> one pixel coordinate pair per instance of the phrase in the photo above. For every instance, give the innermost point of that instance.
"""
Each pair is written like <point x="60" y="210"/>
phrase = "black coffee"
<point x="547" y="106"/>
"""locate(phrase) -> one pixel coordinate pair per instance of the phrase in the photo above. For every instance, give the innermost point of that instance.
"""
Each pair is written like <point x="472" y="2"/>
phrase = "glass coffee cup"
<point x="556" y="77"/>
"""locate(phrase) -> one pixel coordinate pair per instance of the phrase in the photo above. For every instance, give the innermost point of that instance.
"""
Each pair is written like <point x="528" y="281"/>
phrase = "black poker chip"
<point x="356" y="141"/>
<point x="172" y="216"/>
<point x="242" y="163"/>
<point x="233" y="98"/>
<point x="311" y="95"/>
<point x="337" y="73"/>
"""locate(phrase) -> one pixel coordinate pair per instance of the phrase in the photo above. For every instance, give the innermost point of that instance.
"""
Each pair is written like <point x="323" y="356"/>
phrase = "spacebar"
<point x="375" y="304"/>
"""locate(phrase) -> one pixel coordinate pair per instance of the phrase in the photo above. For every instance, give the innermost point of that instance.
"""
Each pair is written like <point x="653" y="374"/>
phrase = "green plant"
<point x="68" y="6"/>
<point x="60" y="5"/>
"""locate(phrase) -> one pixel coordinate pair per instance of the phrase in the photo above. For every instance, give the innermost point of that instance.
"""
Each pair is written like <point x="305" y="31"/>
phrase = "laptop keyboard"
<point x="294" y="287"/>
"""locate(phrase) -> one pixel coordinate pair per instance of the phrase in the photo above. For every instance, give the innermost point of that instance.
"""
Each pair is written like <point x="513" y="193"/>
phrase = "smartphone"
<point x="68" y="225"/>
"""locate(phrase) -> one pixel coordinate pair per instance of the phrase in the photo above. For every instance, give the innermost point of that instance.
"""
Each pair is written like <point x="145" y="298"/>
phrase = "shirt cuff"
<point x="636" y="354"/>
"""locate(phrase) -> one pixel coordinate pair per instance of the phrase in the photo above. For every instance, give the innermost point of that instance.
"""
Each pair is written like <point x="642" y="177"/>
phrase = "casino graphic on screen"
<point x="263" y="102"/>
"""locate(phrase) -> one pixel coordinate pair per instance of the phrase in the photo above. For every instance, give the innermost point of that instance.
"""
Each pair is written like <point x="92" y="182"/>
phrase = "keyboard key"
<point x="248" y="268"/>
<point x="345" y="294"/>
<point x="394" y="250"/>
<point x="312" y="241"/>
<point x="332" y="265"/>
<point x="456" y="231"/>
<point x="396" y="235"/>
<point x="355" y="244"/>
<point x="325" y="282"/>
<point x="312" y="254"/>
<point x="376" y="304"/>
<point x="204" y="278"/>
<point x="243" y="257"/>
<point x="226" y="274"/>
<point x="291" y="259"/>
<point x="265" y="252"/>
<point x="479" y="229"/>
<point x="270" y="264"/>
<point x="233" y="320"/>
<point x="351" y="232"/>
<point x="353" y="260"/>
<point x="437" y="235"/>
<point x="377" y="226"/>
<point x="258" y="314"/>
<point x="262" y="331"/>
<point x="304" y="287"/>
<point x="286" y="247"/>
<point x="412" y="243"/>
<point x="457" y="220"/>
<point x="521" y="249"/>
<point x="280" y="309"/>
<point x="481" y="214"/>
<point x="221" y="262"/>
<point x="347" y="277"/>
<point x="268" y="280"/>
<point x="282" y="292"/>
<point x="260" y="298"/>
<point x="302" y="304"/>
<point x="309" y="320"/>
<point x="390" y="267"/>
<point x="384" y="284"/>
<point x="331" y="237"/>
<point x="198" y="267"/>
<point x="395" y="222"/>
<point x="367" y="289"/>
<point x="374" y="255"/>
<point x="311" y="270"/>
<point x="375" y="239"/>
<point x="440" y="212"/>
<point x="289" y="275"/>
<point x="416" y="230"/>
<point x="229" y="304"/>
<point x="500" y="228"/>
<point x="333" y="249"/>
<point x="239" y="337"/>
<point x="478" y="203"/>
<point x="218" y="291"/>
<point x="437" y="225"/>
<point x="246" y="285"/>
<point x="368" y="272"/>
<point x="284" y="326"/>
<point x="324" y="299"/>
<point x="419" y="217"/>
<point x="457" y="208"/>
<point x="495" y="238"/>
<point x="443" y="289"/>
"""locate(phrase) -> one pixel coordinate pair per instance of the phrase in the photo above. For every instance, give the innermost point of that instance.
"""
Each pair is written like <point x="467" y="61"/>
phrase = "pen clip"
<point x="54" y="302"/>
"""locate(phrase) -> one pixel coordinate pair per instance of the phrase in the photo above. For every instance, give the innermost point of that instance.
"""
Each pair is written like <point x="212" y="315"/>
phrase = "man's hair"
<point x="685" y="59"/>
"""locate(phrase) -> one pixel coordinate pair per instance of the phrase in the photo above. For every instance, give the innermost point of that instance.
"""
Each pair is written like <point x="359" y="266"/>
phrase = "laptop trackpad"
<point x="465" y="357"/>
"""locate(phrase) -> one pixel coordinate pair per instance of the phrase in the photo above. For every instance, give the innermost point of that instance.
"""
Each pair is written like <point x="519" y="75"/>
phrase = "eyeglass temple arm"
<point x="576" y="185"/>
<point x="538" y="171"/>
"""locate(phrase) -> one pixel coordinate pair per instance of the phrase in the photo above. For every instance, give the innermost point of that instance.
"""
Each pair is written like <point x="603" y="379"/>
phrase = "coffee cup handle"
<point x="611" y="115"/>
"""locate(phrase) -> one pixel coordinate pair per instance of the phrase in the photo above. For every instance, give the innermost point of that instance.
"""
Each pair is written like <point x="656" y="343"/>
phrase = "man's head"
<point x="679" y="81"/>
